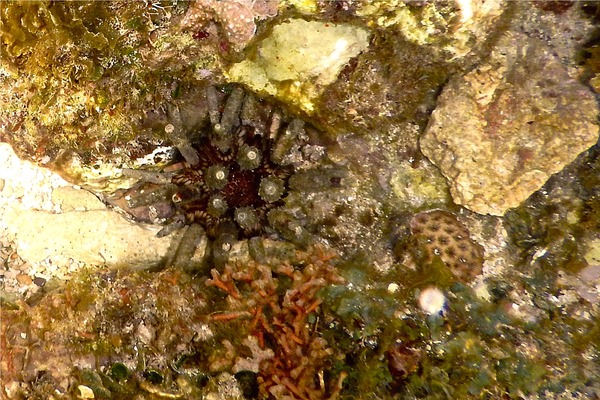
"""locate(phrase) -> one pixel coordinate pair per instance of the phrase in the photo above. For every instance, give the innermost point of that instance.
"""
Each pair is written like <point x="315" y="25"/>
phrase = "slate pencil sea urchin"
<point x="233" y="174"/>
<point x="240" y="183"/>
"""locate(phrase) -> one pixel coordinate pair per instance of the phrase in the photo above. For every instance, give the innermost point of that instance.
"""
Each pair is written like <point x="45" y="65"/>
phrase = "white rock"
<point x="97" y="237"/>
<point x="71" y="199"/>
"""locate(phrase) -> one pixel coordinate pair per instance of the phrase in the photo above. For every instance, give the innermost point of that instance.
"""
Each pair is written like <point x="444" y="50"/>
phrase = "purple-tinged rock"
<point x="500" y="131"/>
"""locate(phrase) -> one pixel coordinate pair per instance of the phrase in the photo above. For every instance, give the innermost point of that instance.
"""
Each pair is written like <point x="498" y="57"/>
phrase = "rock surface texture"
<point x="302" y="57"/>
<point x="98" y="237"/>
<point x="500" y="131"/>
<point x="50" y="224"/>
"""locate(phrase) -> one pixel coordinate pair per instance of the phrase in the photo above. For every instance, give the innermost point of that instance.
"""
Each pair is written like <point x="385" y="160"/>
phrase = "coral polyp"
<point x="232" y="172"/>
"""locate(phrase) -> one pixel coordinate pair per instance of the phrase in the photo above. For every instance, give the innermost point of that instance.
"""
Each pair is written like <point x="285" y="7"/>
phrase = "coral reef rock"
<point x="500" y="131"/>
<point x="463" y="23"/>
<point x="236" y="18"/>
<point x="300" y="58"/>
<point x="99" y="237"/>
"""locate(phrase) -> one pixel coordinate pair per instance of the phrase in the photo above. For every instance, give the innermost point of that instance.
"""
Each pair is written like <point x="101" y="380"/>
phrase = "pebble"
<point x="39" y="281"/>
<point x="24" y="266"/>
<point x="432" y="300"/>
<point x="10" y="274"/>
<point x="24" y="279"/>
<point x="85" y="392"/>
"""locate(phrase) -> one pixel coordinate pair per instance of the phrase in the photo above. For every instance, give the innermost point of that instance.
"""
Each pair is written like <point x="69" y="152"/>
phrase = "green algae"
<point x="58" y="46"/>
<point x="88" y="77"/>
<point x="557" y="219"/>
<point x="473" y="349"/>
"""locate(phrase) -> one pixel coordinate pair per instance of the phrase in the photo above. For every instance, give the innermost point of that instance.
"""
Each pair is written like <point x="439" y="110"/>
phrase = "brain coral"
<point x="441" y="234"/>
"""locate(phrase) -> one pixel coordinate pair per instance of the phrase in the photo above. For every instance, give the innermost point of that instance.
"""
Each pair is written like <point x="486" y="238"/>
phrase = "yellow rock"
<point x="300" y="59"/>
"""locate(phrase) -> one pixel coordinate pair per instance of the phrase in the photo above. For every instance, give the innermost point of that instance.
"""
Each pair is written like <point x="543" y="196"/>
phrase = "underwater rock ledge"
<point x="500" y="131"/>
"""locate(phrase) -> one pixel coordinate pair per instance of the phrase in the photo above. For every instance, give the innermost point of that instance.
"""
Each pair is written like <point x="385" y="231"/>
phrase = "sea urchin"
<point x="233" y="174"/>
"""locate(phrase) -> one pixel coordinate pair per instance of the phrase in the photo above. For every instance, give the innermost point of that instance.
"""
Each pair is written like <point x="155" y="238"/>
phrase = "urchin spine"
<point x="217" y="205"/>
<point x="216" y="177"/>
<point x="271" y="189"/>
<point x="248" y="157"/>
<point x="246" y="218"/>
